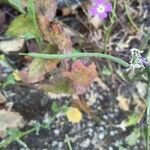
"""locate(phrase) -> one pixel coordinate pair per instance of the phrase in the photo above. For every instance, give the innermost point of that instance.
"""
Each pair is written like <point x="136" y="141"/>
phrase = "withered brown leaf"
<point x="54" y="33"/>
<point x="46" y="8"/>
<point x="81" y="76"/>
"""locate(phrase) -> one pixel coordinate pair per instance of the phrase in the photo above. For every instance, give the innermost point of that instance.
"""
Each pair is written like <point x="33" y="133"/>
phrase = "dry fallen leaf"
<point x="24" y="76"/>
<point x="12" y="45"/>
<point x="81" y="76"/>
<point x="54" y="33"/>
<point x="9" y="119"/>
<point x="123" y="103"/>
<point x="46" y="8"/>
<point x="37" y="69"/>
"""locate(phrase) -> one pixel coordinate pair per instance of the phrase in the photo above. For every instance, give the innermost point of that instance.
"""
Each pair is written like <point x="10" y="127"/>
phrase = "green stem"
<point x="109" y="29"/>
<point x="68" y="142"/>
<point x="77" y="55"/>
<point x="10" y="139"/>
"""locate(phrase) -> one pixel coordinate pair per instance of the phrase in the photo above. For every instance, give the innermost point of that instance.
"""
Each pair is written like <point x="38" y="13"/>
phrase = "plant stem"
<point x="68" y="142"/>
<point x="109" y="29"/>
<point x="77" y="55"/>
<point x="10" y="139"/>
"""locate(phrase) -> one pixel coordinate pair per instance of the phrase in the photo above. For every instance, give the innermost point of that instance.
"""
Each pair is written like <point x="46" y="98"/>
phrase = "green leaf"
<point x="28" y="36"/>
<point x="106" y="71"/>
<point x="133" y="137"/>
<point x="9" y="81"/>
<point x="17" y="4"/>
<point x="55" y="108"/>
<point x="132" y="119"/>
<point x="22" y="26"/>
<point x="122" y="148"/>
<point x="31" y="12"/>
<point x="36" y="68"/>
<point x="37" y="128"/>
<point x="59" y="86"/>
<point x="13" y="132"/>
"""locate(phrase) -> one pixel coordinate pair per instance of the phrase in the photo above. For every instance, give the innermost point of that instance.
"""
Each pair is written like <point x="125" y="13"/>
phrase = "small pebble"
<point x="60" y="144"/>
<point x="116" y="131"/>
<point x="112" y="133"/>
<point x="110" y="148"/>
<point x="54" y="143"/>
<point x="86" y="143"/>
<point x="99" y="108"/>
<point x="56" y="132"/>
<point x="103" y="123"/>
<point x="101" y="128"/>
<point x="116" y="110"/>
<point x="111" y="116"/>
<point x="90" y="130"/>
<point x="90" y="124"/>
<point x="101" y="136"/>
<point x="117" y="143"/>
<point x="105" y="117"/>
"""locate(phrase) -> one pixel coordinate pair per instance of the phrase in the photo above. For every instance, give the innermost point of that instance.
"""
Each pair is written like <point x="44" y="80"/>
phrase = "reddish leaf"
<point x="81" y="76"/>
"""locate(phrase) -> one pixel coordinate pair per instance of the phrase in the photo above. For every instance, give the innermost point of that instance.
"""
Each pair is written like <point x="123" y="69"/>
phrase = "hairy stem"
<point x="77" y="55"/>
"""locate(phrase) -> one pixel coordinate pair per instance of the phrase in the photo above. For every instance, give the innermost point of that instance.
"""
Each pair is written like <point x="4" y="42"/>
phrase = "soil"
<point x="89" y="134"/>
<point x="33" y="104"/>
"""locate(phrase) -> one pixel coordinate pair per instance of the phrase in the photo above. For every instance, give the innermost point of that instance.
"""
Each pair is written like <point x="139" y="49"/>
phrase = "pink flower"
<point x="100" y="8"/>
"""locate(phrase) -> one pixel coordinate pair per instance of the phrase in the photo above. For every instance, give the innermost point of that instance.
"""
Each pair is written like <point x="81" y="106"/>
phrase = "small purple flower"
<point x="100" y="8"/>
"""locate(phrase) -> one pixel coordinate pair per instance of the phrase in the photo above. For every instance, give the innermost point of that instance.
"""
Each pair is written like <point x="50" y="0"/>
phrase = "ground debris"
<point x="9" y="119"/>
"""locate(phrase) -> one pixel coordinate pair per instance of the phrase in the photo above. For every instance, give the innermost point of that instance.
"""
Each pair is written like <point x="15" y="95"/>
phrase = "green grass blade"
<point x="17" y="4"/>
